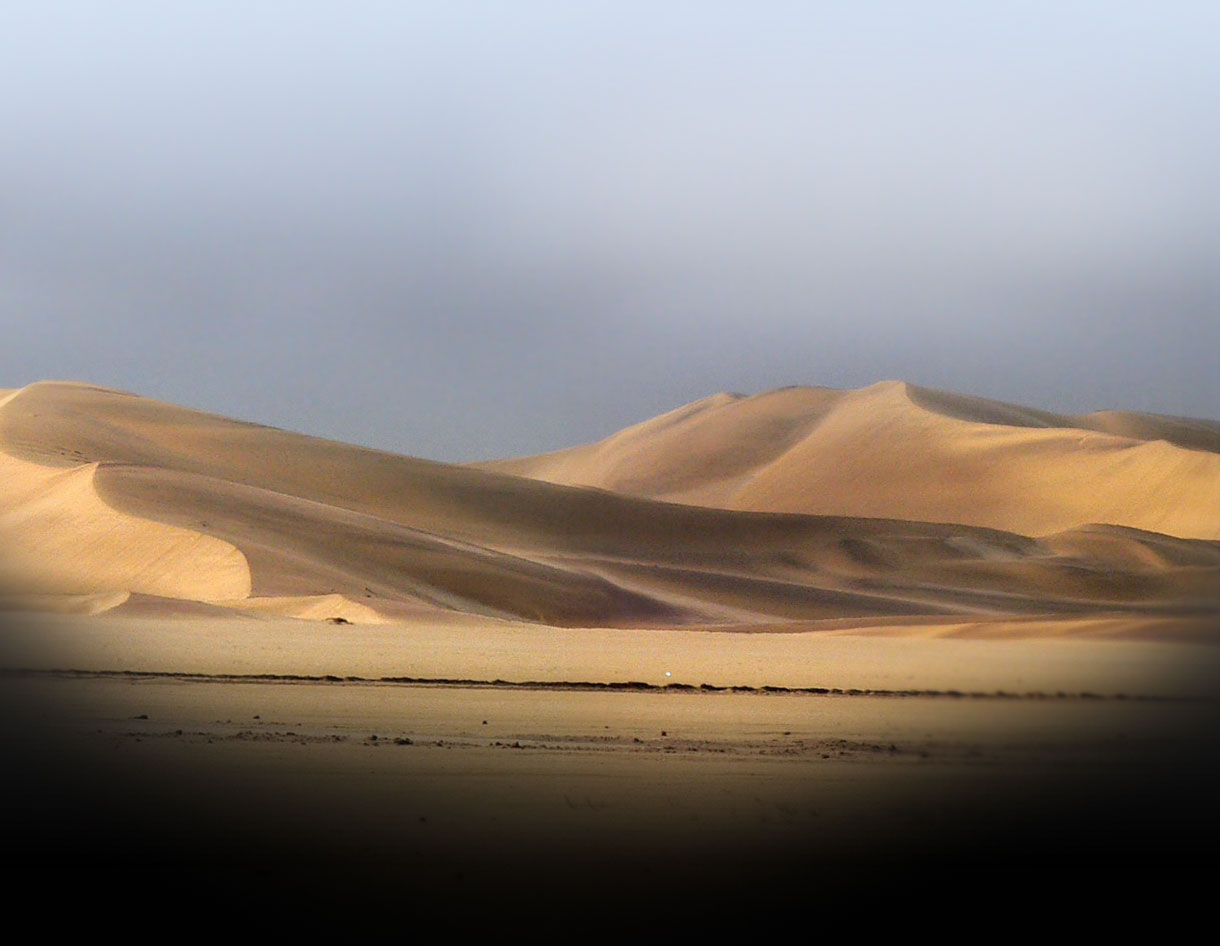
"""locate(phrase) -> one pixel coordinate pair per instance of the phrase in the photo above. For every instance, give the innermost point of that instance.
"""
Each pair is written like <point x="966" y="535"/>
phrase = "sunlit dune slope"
<point x="108" y="500"/>
<point x="894" y="450"/>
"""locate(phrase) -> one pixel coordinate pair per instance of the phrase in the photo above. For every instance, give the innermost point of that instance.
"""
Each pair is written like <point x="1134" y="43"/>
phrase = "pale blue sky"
<point x="461" y="230"/>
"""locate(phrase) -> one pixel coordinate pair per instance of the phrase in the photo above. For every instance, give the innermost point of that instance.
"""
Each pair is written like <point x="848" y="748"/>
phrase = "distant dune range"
<point x="801" y="505"/>
<point x="897" y="451"/>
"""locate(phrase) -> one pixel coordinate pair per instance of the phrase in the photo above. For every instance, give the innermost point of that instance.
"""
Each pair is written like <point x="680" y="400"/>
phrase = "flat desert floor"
<point x="479" y="759"/>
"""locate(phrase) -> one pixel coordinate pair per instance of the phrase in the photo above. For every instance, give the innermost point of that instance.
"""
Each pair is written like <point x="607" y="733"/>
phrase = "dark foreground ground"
<point x="546" y="805"/>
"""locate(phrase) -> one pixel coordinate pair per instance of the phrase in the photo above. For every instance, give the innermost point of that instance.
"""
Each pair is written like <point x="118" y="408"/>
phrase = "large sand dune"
<point x="897" y="451"/>
<point x="105" y="496"/>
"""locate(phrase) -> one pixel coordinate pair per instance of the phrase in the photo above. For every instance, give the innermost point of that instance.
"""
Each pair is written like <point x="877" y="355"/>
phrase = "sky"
<point x="463" y="230"/>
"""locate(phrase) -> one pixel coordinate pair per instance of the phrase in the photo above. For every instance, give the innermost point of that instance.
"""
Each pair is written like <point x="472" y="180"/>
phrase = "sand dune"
<point x="894" y="450"/>
<point x="61" y="537"/>
<point x="115" y="503"/>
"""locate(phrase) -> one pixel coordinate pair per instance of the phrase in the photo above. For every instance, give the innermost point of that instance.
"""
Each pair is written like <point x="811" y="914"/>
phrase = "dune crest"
<point x="894" y="450"/>
<point x="60" y="537"/>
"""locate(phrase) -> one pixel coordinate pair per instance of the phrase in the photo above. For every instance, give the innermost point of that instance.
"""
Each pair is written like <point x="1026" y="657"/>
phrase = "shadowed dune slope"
<point x="897" y="451"/>
<point x="110" y="500"/>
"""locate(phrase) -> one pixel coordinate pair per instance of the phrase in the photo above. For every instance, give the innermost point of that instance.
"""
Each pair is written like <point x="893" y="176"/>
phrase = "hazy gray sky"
<point x="462" y="230"/>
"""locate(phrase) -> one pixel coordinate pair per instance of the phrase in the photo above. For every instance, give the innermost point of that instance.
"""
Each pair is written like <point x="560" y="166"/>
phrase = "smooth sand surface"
<point x="112" y="501"/>
<point x="487" y="650"/>
<point x="59" y="534"/>
<point x="898" y="451"/>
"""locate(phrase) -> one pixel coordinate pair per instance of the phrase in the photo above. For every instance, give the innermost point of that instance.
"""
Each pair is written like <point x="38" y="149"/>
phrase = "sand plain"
<point x="435" y="798"/>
